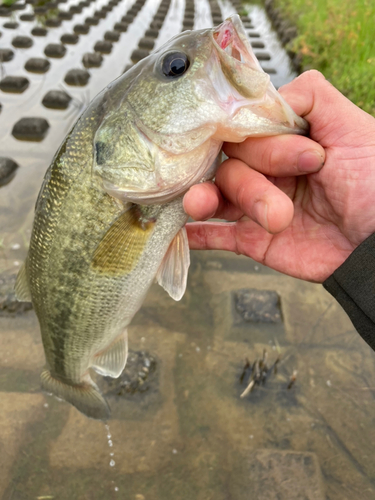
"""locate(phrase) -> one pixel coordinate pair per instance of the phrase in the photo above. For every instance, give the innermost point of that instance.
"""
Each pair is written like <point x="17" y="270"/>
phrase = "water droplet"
<point x="112" y="463"/>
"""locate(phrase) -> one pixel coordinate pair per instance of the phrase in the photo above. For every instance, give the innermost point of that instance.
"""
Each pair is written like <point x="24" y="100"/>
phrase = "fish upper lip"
<point x="235" y="57"/>
<point x="226" y="39"/>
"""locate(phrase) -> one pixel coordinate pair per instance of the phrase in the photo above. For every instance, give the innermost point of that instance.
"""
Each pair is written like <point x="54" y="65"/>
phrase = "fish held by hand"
<point x="109" y="217"/>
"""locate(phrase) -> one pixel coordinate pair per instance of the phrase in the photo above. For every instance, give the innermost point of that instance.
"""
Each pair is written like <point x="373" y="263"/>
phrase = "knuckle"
<point x="274" y="155"/>
<point x="270" y="159"/>
<point x="201" y="236"/>
<point x="242" y="197"/>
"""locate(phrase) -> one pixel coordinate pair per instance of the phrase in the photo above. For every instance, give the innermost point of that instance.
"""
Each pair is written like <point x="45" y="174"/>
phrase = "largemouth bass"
<point x="109" y="217"/>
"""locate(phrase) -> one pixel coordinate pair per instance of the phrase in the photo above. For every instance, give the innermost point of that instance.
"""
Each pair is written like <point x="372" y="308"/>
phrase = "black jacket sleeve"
<point x="353" y="286"/>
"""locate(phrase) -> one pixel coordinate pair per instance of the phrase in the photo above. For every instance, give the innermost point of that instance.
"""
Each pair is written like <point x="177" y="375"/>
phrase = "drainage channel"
<point x="56" y="56"/>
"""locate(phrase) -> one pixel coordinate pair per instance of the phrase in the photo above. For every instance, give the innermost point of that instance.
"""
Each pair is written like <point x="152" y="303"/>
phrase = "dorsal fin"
<point x="173" y="271"/>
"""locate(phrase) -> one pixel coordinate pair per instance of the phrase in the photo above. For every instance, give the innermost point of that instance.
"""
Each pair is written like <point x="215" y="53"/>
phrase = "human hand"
<point x="292" y="213"/>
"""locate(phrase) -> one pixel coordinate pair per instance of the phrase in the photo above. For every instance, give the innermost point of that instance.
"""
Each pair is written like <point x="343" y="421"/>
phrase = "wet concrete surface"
<point x="180" y="428"/>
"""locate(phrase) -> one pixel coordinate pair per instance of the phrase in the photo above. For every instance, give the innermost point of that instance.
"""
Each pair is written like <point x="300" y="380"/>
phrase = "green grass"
<point x="337" y="37"/>
<point x="8" y="3"/>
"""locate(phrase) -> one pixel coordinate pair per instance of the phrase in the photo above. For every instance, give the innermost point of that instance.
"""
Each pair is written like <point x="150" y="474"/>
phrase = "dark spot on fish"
<point x="101" y="150"/>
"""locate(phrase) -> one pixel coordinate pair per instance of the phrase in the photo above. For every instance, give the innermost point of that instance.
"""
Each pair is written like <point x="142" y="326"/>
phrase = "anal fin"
<point x="112" y="361"/>
<point x="173" y="271"/>
<point x="22" y="287"/>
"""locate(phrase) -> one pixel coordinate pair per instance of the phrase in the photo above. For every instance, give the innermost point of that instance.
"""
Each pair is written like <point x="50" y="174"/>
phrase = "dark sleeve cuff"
<point x="353" y="286"/>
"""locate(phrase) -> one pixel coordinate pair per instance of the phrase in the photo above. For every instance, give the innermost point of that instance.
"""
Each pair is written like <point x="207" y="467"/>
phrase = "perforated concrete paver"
<point x="190" y="435"/>
<point x="18" y="412"/>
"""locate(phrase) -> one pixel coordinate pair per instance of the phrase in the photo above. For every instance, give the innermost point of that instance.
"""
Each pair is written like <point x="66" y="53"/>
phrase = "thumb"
<point x="330" y="114"/>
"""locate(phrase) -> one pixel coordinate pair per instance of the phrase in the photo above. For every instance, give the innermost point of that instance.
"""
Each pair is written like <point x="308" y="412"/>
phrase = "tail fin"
<point x="85" y="397"/>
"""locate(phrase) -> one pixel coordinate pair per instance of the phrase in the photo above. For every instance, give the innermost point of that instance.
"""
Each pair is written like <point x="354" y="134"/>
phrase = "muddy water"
<point x="180" y="429"/>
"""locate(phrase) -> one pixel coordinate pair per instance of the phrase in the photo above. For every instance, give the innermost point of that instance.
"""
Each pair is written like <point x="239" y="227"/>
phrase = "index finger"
<point x="279" y="156"/>
<point x="330" y="114"/>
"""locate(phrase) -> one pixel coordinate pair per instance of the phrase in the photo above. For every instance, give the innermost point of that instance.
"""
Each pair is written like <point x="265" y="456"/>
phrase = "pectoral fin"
<point x="173" y="271"/>
<point x="22" y="287"/>
<point x="122" y="245"/>
<point x="112" y="361"/>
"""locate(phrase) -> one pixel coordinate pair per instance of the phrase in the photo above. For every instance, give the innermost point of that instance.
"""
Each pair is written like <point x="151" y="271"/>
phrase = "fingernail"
<point x="261" y="212"/>
<point x="310" y="161"/>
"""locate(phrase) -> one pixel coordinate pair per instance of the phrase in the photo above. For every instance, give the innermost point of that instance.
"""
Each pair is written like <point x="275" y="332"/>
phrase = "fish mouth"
<point x="245" y="79"/>
<point x="244" y="91"/>
<point x="227" y="39"/>
<point x="230" y="37"/>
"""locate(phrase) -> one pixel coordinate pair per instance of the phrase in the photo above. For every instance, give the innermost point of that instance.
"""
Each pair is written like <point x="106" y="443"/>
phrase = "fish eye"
<point x="175" y="64"/>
